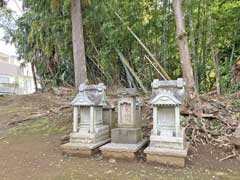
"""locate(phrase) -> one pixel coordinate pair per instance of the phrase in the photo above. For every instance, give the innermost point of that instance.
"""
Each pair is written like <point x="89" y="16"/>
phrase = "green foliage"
<point x="216" y="23"/>
<point x="7" y="23"/>
<point x="43" y="37"/>
<point x="108" y="32"/>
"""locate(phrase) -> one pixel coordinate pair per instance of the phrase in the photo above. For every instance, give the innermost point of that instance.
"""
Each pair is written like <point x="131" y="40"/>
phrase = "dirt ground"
<point x="31" y="149"/>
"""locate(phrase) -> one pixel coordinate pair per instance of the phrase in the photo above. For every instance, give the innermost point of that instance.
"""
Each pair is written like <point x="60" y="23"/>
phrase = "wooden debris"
<point x="234" y="140"/>
<point x="234" y="154"/>
<point x="65" y="139"/>
<point x="57" y="110"/>
<point x="1" y="138"/>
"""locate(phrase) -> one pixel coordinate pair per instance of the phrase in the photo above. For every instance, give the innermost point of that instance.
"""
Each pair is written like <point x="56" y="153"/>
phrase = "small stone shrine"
<point x="167" y="140"/>
<point x="108" y="118"/>
<point x="126" y="140"/>
<point x="89" y="131"/>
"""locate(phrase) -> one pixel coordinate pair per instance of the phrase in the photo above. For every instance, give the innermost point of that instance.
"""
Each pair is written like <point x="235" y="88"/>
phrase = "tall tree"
<point x="194" y="46"/>
<point x="80" y="68"/>
<point x="182" y="41"/>
<point x="34" y="76"/>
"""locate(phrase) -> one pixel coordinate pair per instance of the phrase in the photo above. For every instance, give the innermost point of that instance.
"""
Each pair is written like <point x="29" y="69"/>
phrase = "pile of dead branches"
<point x="218" y="125"/>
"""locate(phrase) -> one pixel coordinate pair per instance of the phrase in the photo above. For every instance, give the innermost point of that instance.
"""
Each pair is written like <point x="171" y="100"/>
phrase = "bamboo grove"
<point x="42" y="36"/>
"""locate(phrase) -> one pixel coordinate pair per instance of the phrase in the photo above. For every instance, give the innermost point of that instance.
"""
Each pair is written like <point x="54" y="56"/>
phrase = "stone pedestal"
<point x="126" y="135"/>
<point x="167" y="150"/>
<point x="89" y="130"/>
<point x="167" y="140"/>
<point x="83" y="150"/>
<point x="126" y="151"/>
<point x="172" y="157"/>
<point x="126" y="140"/>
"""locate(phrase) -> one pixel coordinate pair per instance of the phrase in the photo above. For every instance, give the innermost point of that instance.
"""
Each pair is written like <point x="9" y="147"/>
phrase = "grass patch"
<point x="37" y="126"/>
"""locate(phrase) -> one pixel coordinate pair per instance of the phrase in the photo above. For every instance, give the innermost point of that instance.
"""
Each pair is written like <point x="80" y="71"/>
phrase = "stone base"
<point x="123" y="151"/>
<point x="167" y="142"/>
<point x="172" y="157"/>
<point x="166" y="160"/>
<point x="126" y="135"/>
<point x="82" y="150"/>
<point x="83" y="136"/>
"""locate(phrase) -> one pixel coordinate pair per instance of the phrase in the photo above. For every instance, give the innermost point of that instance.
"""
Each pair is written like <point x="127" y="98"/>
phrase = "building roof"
<point x="165" y="99"/>
<point x="130" y="92"/>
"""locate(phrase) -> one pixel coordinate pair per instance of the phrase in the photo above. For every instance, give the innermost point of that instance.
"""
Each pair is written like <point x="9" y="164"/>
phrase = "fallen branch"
<point x="234" y="154"/>
<point x="28" y="118"/>
<point x="1" y="138"/>
<point x="228" y="157"/>
<point x="57" y="110"/>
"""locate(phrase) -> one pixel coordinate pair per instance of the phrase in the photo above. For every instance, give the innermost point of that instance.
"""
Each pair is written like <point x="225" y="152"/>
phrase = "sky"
<point x="8" y="48"/>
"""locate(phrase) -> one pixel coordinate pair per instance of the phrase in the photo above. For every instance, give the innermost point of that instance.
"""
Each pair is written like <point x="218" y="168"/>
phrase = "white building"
<point x="15" y="78"/>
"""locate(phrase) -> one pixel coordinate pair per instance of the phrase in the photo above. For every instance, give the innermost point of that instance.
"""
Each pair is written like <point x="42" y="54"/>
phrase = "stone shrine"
<point x="108" y="117"/>
<point x="89" y="130"/>
<point x="126" y="140"/>
<point x="167" y="140"/>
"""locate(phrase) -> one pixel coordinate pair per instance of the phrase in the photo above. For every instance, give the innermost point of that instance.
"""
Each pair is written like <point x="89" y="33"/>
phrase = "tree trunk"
<point x="216" y="69"/>
<point x="164" y="36"/>
<point x="192" y="99"/>
<point x="34" y="76"/>
<point x="80" y="68"/>
<point x="214" y="55"/>
<point x="203" y="47"/>
<point x="194" y="48"/>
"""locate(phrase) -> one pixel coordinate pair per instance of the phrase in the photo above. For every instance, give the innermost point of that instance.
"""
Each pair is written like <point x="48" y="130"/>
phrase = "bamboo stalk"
<point x="99" y="67"/>
<point x="155" y="67"/>
<point x="167" y="77"/>
<point x="125" y="63"/>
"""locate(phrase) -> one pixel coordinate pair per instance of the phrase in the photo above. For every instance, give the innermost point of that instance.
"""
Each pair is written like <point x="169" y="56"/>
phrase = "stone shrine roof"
<point x="91" y="95"/>
<point x="130" y="92"/>
<point x="167" y="93"/>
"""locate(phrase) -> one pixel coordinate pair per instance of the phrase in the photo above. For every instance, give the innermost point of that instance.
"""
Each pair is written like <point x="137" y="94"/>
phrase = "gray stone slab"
<point x="167" y="151"/>
<point x="124" y="147"/>
<point x="83" y="146"/>
<point x="126" y="135"/>
<point x="175" y="161"/>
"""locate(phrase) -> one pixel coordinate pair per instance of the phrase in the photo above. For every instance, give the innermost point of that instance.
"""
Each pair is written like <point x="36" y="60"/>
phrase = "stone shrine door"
<point x="125" y="114"/>
<point x="166" y="121"/>
<point x="84" y="117"/>
<point x="98" y="116"/>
